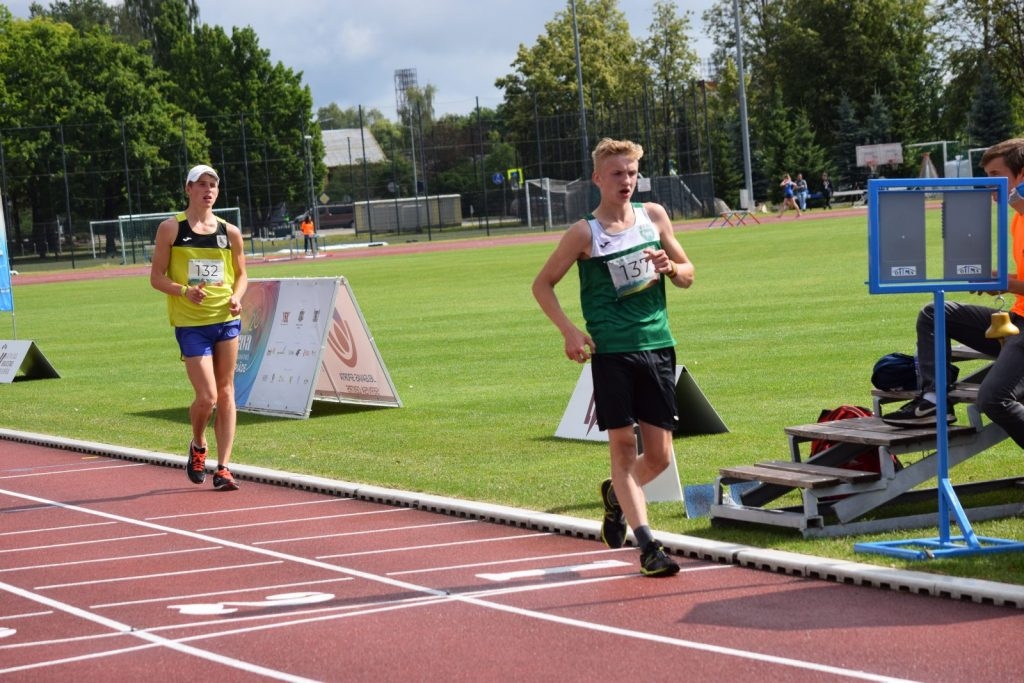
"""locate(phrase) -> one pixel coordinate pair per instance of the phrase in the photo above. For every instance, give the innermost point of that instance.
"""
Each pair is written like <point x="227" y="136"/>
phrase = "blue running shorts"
<point x="199" y="341"/>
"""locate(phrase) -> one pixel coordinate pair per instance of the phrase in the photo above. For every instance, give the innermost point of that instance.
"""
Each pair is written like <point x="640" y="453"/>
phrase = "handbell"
<point x="1001" y="327"/>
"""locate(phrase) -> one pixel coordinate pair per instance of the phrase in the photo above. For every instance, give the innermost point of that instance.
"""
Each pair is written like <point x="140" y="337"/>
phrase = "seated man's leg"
<point x="1000" y="393"/>
<point x="965" y="324"/>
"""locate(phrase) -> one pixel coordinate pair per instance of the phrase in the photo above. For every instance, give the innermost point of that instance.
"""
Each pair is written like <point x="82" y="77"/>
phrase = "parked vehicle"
<point x="336" y="216"/>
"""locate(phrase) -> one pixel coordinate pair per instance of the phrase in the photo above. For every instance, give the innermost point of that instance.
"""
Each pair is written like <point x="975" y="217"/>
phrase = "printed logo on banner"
<point x="353" y="369"/>
<point x="258" y="309"/>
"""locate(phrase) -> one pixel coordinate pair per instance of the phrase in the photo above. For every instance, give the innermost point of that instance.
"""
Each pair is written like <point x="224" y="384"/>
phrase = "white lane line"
<point x="415" y="548"/>
<point x="441" y="596"/>
<point x="111" y="540"/>
<point x="272" y="601"/>
<point x="151" y="640"/>
<point x="77" y="470"/>
<point x="517" y="560"/>
<point x="63" y="466"/>
<point x="55" y="528"/>
<point x="302" y="520"/>
<point x="253" y="508"/>
<point x="551" y="571"/>
<point x="363" y="532"/>
<point x="213" y="594"/>
<point x="97" y="560"/>
<point x="144" y="577"/>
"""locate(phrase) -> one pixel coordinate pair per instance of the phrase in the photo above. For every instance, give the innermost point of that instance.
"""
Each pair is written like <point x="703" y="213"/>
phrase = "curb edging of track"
<point x="782" y="562"/>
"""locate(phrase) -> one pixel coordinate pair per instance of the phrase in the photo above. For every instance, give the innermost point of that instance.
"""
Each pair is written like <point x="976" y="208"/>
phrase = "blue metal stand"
<point x="967" y="543"/>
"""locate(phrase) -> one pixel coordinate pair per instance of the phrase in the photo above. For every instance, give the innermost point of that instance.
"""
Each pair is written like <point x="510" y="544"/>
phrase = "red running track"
<point x="119" y="570"/>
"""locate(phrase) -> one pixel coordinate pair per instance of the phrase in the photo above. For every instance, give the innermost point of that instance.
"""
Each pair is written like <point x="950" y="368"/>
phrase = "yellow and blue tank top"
<point x="197" y="258"/>
<point x="622" y="296"/>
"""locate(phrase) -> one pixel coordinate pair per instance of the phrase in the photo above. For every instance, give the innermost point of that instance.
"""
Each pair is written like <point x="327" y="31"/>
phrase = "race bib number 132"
<point x="210" y="271"/>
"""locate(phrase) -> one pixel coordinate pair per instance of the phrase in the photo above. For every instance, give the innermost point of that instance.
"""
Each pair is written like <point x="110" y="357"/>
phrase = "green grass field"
<point x="778" y="326"/>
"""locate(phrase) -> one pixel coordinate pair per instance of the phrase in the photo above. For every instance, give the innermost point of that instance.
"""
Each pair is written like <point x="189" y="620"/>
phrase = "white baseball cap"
<point x="201" y="169"/>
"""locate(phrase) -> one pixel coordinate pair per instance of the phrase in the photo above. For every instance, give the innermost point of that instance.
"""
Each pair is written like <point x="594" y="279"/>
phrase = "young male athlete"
<point x="625" y="253"/>
<point x="199" y="263"/>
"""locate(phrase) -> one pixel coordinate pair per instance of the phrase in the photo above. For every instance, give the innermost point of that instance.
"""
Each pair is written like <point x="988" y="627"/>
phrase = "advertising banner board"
<point x="696" y="416"/>
<point x="20" y="360"/>
<point x="305" y="338"/>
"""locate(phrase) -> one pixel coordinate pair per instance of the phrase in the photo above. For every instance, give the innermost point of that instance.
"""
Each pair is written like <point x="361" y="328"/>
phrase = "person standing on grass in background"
<point x="625" y="253"/>
<point x="308" y="230"/>
<point x="826" y="190"/>
<point x="199" y="263"/>
<point x="788" y="196"/>
<point x="1001" y="392"/>
<point x="801" y="191"/>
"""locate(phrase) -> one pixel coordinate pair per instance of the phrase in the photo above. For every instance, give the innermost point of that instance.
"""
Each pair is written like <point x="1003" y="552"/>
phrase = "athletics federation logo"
<point x="222" y="241"/>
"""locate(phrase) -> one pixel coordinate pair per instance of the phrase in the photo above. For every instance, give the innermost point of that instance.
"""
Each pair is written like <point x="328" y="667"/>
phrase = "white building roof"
<point x="345" y="147"/>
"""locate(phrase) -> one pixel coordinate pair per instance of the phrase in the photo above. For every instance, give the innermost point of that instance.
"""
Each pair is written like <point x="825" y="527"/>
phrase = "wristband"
<point x="184" y="290"/>
<point x="672" y="273"/>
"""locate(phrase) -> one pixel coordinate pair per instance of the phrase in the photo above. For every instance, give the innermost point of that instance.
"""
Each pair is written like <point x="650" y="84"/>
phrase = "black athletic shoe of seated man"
<point x="918" y="413"/>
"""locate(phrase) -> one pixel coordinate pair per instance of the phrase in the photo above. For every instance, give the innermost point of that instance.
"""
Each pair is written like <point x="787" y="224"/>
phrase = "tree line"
<point x="110" y="104"/>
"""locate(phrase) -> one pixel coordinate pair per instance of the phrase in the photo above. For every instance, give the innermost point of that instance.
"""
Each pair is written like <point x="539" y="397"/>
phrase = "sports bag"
<point x="895" y="372"/>
<point x="867" y="460"/>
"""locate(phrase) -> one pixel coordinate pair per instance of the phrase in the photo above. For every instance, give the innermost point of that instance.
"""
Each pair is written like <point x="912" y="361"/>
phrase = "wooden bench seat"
<point x="871" y="431"/>
<point x="797" y="475"/>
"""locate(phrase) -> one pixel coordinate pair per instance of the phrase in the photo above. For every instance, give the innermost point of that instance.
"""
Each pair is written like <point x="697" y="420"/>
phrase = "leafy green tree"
<point x="334" y="116"/>
<point x="848" y="135"/>
<point x="84" y="15"/>
<point x="672" y="63"/>
<point x="74" y="100"/>
<point x="991" y="113"/>
<point x="979" y="35"/>
<point x="544" y="84"/>
<point x="726" y="142"/>
<point x="786" y="145"/>
<point x="814" y="52"/>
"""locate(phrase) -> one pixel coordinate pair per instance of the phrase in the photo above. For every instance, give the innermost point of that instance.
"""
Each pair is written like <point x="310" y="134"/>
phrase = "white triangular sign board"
<point x="21" y="360"/>
<point x="579" y="422"/>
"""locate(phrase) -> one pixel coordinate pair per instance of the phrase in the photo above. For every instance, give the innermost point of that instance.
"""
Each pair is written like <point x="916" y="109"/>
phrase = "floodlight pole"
<point x="584" y="143"/>
<point x="743" y="108"/>
<point x="307" y="139"/>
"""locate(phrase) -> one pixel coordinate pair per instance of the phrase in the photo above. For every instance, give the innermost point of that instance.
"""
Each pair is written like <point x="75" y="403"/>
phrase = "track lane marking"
<point x="253" y="508"/>
<point x="213" y="594"/>
<point x="551" y="571"/>
<point x="363" y="532"/>
<point x="79" y="470"/>
<point x="300" y="520"/>
<point x="429" y="546"/>
<point x="444" y="596"/>
<point x="161" y="575"/>
<point x="70" y="527"/>
<point x="52" y="546"/>
<point x="73" y="563"/>
<point x="535" y="558"/>
<point x="151" y="640"/>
